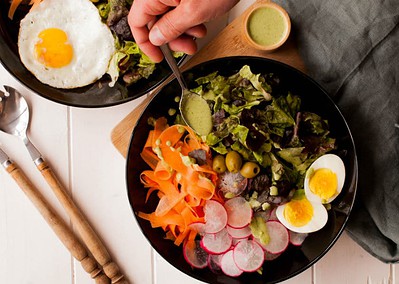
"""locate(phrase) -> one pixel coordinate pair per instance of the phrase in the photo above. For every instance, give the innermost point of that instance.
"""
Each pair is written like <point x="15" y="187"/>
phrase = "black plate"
<point x="98" y="94"/>
<point x="314" y="99"/>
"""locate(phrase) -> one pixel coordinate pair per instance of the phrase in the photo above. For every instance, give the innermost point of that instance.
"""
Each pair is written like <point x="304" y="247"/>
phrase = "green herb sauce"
<point x="266" y="26"/>
<point x="198" y="115"/>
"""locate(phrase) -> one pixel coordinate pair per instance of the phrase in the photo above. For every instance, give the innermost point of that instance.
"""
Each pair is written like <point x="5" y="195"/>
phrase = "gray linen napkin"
<point x="351" y="48"/>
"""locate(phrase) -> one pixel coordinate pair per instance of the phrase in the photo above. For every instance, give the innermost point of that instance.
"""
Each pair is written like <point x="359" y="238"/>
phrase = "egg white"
<point x="92" y="41"/>
<point x="328" y="161"/>
<point x="318" y="221"/>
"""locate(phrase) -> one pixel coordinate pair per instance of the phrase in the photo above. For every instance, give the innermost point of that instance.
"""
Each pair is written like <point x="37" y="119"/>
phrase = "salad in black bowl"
<point x="264" y="195"/>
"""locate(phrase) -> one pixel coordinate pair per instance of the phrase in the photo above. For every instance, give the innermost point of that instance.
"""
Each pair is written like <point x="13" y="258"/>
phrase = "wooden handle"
<point x="63" y="232"/>
<point x="89" y="237"/>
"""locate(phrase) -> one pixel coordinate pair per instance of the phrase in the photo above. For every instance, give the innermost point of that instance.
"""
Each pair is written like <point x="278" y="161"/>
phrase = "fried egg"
<point x="302" y="216"/>
<point x="324" y="179"/>
<point x="65" y="44"/>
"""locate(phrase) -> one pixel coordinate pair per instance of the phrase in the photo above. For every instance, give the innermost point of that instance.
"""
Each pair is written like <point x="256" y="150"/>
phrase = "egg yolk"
<point x="323" y="183"/>
<point x="53" y="49"/>
<point x="298" y="212"/>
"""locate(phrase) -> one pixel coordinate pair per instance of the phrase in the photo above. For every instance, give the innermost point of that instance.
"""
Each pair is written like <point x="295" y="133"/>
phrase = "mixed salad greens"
<point x="254" y="117"/>
<point x="128" y="63"/>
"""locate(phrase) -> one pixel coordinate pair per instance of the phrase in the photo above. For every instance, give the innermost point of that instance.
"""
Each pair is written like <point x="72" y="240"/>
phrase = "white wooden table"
<point x="76" y="143"/>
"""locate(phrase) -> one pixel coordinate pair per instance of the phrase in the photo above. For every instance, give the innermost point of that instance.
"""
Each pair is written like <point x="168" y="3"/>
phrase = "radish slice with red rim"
<point x="278" y="237"/>
<point x="199" y="227"/>
<point x="233" y="183"/>
<point x="297" y="239"/>
<point x="270" y="256"/>
<point x="215" y="216"/>
<point x="273" y="216"/>
<point x="214" y="262"/>
<point x="248" y="255"/>
<point x="239" y="212"/>
<point x="239" y="233"/>
<point x="228" y="265"/>
<point x="235" y="242"/>
<point x="195" y="255"/>
<point x="217" y="243"/>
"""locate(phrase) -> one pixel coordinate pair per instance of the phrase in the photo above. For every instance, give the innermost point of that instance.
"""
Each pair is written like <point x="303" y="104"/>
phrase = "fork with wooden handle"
<point x="67" y="237"/>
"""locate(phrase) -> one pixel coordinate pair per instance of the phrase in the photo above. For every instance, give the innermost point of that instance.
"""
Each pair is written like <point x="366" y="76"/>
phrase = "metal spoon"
<point x="14" y="120"/>
<point x="193" y="108"/>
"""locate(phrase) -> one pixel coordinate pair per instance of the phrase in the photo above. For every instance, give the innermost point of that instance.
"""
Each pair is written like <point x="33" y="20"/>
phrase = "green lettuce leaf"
<point x="246" y="73"/>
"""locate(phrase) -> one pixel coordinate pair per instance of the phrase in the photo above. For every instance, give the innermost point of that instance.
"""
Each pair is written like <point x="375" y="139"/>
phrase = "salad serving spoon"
<point x="194" y="109"/>
<point x="14" y="120"/>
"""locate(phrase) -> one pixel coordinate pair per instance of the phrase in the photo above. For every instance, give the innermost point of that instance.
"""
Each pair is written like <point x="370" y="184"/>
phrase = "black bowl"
<point x="98" y="94"/>
<point x="295" y="259"/>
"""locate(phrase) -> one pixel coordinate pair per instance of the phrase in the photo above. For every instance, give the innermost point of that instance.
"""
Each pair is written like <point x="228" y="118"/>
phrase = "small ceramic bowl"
<point x="266" y="26"/>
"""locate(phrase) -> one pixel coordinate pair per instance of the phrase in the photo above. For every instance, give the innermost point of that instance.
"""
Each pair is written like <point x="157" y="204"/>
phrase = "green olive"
<point x="218" y="164"/>
<point x="233" y="161"/>
<point x="250" y="170"/>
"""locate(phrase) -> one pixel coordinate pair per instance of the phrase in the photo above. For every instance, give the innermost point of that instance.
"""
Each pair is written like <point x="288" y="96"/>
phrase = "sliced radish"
<point x="228" y="265"/>
<point x="297" y="239"/>
<point x="248" y="255"/>
<point x="270" y="256"/>
<point x="215" y="216"/>
<point x="233" y="183"/>
<point x="273" y="216"/>
<point x="239" y="212"/>
<point x="239" y="233"/>
<point x="214" y="262"/>
<point x="217" y="243"/>
<point x="235" y="242"/>
<point x="199" y="227"/>
<point x="195" y="255"/>
<point x="279" y="237"/>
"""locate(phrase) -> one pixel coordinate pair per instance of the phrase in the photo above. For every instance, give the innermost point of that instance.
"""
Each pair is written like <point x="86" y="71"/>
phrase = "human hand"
<point x="176" y="22"/>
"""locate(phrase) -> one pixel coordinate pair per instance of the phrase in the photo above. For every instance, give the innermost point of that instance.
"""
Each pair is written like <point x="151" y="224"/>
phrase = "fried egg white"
<point x="324" y="179"/>
<point x="302" y="216"/>
<point x="65" y="44"/>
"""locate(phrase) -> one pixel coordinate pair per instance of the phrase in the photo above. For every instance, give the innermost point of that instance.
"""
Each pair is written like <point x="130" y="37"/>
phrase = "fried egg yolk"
<point x="298" y="212"/>
<point x="323" y="183"/>
<point x="53" y="49"/>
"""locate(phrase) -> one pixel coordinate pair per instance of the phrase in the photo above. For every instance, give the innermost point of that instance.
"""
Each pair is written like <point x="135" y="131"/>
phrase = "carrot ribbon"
<point x="181" y="185"/>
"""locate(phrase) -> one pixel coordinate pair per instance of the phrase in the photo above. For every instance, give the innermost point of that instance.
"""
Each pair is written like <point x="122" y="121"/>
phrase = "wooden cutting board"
<point x="229" y="42"/>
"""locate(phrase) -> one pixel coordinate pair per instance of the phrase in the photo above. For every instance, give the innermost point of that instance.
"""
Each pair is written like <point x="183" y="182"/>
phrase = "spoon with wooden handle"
<point x="59" y="227"/>
<point x="14" y="120"/>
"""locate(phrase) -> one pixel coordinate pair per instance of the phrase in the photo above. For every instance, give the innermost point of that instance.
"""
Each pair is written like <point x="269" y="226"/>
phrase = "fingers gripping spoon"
<point x="64" y="233"/>
<point x="14" y="120"/>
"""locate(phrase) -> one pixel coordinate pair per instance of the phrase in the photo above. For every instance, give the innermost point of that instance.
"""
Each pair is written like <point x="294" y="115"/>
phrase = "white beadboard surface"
<point x="76" y="143"/>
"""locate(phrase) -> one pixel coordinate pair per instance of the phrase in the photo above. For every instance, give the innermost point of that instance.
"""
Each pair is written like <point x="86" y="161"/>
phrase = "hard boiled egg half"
<point x="302" y="216"/>
<point x="324" y="179"/>
<point x="323" y="182"/>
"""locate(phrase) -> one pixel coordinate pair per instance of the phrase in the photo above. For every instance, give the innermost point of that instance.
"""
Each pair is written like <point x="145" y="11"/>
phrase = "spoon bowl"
<point x="14" y="113"/>
<point x="193" y="108"/>
<point x="14" y="119"/>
